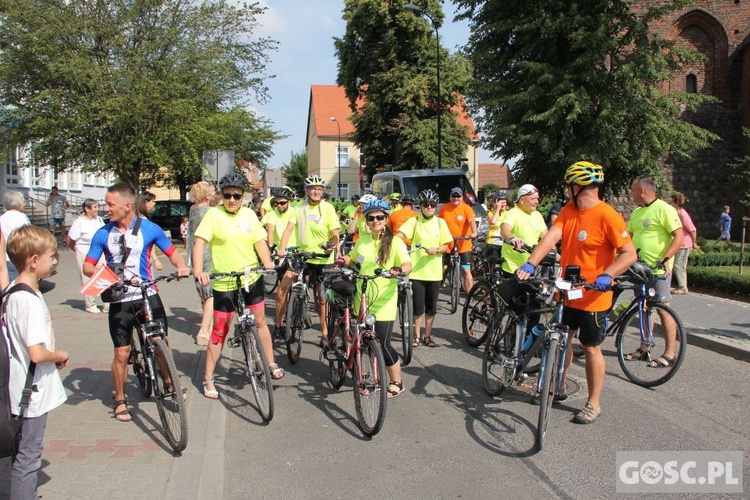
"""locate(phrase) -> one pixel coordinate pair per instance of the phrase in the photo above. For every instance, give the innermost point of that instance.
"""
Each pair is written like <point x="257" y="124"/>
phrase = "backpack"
<point x="10" y="426"/>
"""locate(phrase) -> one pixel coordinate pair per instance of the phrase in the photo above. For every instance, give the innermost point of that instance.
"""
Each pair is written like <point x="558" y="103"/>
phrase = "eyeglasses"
<point x="429" y="205"/>
<point x="455" y="196"/>
<point x="281" y="203"/>
<point x="235" y="196"/>
<point x="371" y="218"/>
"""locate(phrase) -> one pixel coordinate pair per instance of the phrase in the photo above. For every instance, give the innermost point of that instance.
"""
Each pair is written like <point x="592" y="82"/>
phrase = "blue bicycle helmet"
<point x="377" y="206"/>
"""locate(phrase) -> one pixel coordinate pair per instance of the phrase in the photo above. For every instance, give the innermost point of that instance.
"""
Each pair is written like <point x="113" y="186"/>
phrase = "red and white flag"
<point x="102" y="279"/>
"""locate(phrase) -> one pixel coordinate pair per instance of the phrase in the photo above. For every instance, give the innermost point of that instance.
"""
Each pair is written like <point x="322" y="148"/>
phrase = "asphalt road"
<point x="445" y="438"/>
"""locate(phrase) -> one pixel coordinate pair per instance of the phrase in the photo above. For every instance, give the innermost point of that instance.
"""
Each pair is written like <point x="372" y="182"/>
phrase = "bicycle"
<point x="154" y="366"/>
<point x="406" y="314"/>
<point x="297" y="312"/>
<point x="453" y="273"/>
<point x="246" y="335"/>
<point x="355" y="348"/>
<point x="270" y="282"/>
<point x="637" y="327"/>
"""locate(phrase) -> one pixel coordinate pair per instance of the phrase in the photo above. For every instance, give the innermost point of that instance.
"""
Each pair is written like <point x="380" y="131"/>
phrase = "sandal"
<point x="588" y="414"/>
<point x="277" y="373"/>
<point x="680" y="291"/>
<point x="399" y="389"/>
<point x="429" y="342"/>
<point x="662" y="361"/>
<point x="416" y="342"/>
<point x="210" y="393"/>
<point x="637" y="355"/>
<point x="122" y="415"/>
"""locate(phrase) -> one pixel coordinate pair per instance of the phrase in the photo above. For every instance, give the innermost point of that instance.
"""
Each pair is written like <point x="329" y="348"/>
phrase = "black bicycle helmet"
<point x="283" y="192"/>
<point x="408" y="199"/>
<point x="429" y="196"/>
<point x="233" y="179"/>
<point x="640" y="273"/>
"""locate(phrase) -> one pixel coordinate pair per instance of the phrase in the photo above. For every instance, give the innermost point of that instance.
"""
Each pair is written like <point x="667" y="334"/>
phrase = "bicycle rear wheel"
<point x="139" y="362"/>
<point x="370" y="384"/>
<point x="295" y="318"/>
<point x="258" y="370"/>
<point x="548" y="373"/>
<point x="336" y="349"/>
<point x="169" y="397"/>
<point x="498" y="352"/>
<point x="270" y="282"/>
<point x="455" y="284"/>
<point x="650" y="330"/>
<point x="477" y="313"/>
<point x="406" y="322"/>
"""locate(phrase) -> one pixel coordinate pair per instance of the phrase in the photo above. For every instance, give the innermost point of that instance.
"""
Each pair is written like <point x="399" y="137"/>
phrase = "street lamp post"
<point x="338" y="156"/>
<point x="417" y="10"/>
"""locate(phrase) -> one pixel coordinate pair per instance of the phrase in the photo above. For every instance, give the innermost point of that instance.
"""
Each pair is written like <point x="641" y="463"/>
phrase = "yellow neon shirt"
<point x="528" y="227"/>
<point x="652" y="228"/>
<point x="428" y="233"/>
<point x="321" y="222"/>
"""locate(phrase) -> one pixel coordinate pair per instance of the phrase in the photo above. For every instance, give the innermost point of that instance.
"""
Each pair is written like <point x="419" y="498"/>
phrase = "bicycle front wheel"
<point x="477" y="313"/>
<point x="548" y="371"/>
<point x="370" y="387"/>
<point x="336" y="349"/>
<point x="139" y="362"/>
<point x="258" y="370"/>
<point x="169" y="397"/>
<point x="406" y="322"/>
<point x="652" y="331"/>
<point x="455" y="284"/>
<point x="295" y="319"/>
<point x="497" y="374"/>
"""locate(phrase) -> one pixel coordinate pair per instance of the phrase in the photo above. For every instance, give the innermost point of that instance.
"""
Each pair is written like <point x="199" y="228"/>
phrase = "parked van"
<point x="439" y="180"/>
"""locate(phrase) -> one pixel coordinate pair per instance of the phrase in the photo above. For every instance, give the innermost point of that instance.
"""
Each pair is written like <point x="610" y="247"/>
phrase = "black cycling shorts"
<point x="122" y="314"/>
<point x="590" y="325"/>
<point x="227" y="301"/>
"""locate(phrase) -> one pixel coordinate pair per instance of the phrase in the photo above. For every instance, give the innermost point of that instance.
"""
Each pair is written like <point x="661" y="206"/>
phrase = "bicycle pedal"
<point x="234" y="342"/>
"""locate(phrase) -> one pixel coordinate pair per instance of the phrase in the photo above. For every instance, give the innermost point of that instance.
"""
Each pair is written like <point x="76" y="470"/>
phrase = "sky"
<point x="306" y="56"/>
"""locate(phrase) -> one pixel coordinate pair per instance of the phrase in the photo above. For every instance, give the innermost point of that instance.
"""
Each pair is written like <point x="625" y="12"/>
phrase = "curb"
<point x="720" y="344"/>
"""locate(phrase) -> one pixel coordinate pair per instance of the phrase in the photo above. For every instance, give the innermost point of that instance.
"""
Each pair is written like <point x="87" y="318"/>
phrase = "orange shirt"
<point x="590" y="239"/>
<point x="459" y="220"/>
<point x="398" y="217"/>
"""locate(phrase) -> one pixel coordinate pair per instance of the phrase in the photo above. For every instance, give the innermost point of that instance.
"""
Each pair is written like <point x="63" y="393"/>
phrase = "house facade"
<point x="332" y="154"/>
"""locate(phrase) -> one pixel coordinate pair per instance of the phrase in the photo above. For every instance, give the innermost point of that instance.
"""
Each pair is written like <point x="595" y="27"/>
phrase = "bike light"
<point x="370" y="320"/>
<point x="651" y="292"/>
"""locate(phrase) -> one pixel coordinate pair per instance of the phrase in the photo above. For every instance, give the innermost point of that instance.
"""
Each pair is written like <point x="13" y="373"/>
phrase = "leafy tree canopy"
<point x="562" y="80"/>
<point x="131" y="86"/>
<point x="387" y="66"/>
<point x="295" y="172"/>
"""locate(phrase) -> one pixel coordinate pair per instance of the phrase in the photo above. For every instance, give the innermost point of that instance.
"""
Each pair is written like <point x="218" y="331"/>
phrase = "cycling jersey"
<point x="321" y="221"/>
<point x="429" y="233"/>
<point x="652" y="228"/>
<point x="266" y="205"/>
<point x="231" y="238"/>
<point x="494" y="236"/>
<point x="111" y="241"/>
<point x="459" y="219"/>
<point x="528" y="227"/>
<point x="590" y="239"/>
<point x="382" y="293"/>
<point x="397" y="219"/>
<point x="280" y="221"/>
<point x="350" y="210"/>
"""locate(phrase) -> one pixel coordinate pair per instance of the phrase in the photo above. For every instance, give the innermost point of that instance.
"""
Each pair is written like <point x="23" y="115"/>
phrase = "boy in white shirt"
<point x="32" y="250"/>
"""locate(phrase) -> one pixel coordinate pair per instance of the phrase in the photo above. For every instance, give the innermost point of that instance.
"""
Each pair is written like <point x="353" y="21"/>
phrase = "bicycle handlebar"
<point x="234" y="274"/>
<point x="136" y="282"/>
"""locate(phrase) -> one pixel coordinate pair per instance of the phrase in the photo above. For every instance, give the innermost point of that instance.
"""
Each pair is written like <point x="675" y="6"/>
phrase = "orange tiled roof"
<point x="330" y="100"/>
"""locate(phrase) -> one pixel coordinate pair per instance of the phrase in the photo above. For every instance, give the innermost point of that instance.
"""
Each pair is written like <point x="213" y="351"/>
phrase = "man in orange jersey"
<point x="460" y="219"/>
<point x="403" y="214"/>
<point x="594" y="237"/>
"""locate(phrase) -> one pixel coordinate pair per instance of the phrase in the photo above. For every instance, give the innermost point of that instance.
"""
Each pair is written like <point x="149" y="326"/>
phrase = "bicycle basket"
<point x="340" y="284"/>
<point x="515" y="294"/>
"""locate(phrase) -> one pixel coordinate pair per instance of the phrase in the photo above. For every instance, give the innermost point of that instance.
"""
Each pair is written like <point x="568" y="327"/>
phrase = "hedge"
<point x="704" y="259"/>
<point x="720" y="279"/>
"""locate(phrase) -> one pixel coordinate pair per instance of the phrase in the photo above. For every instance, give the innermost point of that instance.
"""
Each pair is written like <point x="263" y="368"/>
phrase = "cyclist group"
<point x="391" y="235"/>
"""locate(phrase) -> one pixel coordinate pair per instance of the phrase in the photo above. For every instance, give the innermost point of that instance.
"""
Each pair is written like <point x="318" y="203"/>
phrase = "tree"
<point x="126" y="85"/>
<point x="295" y="171"/>
<point x="741" y="173"/>
<point x="562" y="80"/>
<point x="387" y="66"/>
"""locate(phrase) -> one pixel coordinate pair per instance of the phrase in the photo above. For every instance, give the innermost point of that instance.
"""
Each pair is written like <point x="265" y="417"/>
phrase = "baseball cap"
<point x="527" y="189"/>
<point x="457" y="190"/>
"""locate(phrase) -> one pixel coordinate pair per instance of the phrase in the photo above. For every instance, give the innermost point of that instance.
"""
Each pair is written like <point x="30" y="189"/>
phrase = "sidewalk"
<point x="88" y="454"/>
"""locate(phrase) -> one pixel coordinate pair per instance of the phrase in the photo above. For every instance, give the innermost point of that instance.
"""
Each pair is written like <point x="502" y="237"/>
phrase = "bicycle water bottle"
<point x="621" y="308"/>
<point x="535" y="332"/>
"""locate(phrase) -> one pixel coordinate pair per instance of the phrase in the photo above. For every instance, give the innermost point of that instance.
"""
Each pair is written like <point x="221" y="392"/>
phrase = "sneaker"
<point x="93" y="310"/>
<point x="278" y="333"/>
<point x="588" y="414"/>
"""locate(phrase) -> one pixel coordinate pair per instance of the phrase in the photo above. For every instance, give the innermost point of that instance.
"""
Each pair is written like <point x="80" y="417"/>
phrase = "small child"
<point x="32" y="250"/>
<point x="184" y="230"/>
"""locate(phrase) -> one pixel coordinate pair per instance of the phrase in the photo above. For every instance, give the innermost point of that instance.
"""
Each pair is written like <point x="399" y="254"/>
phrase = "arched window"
<point x="691" y="84"/>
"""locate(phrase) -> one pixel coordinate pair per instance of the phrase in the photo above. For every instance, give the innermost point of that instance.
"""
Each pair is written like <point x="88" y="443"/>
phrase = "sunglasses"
<point x="429" y="205"/>
<point x="281" y="203"/>
<point x="455" y="196"/>
<point x="235" y="196"/>
<point x="371" y="218"/>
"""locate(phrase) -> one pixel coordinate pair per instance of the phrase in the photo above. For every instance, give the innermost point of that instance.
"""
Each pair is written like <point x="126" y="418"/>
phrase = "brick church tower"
<point x="720" y="30"/>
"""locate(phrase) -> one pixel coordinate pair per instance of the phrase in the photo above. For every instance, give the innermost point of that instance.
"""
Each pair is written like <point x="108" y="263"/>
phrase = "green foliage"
<point x="387" y="66"/>
<point x="562" y="80"/>
<point x="490" y="189"/>
<point x="132" y="87"/>
<point x="741" y="173"/>
<point x="720" y="279"/>
<point x="709" y="259"/>
<point x="295" y="172"/>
